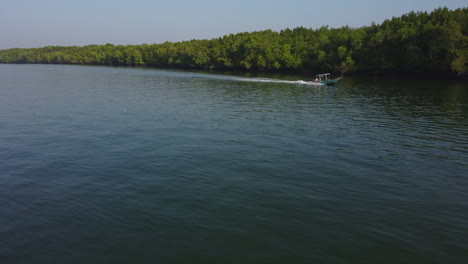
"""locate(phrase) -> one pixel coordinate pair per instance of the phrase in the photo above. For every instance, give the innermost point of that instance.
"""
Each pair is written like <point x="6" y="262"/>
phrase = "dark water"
<point x="116" y="165"/>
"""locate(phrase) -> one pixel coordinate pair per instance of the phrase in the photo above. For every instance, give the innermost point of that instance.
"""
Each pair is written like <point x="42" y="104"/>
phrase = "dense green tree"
<point x="417" y="42"/>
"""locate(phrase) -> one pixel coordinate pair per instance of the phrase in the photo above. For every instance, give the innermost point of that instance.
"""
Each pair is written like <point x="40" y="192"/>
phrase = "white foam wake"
<point x="266" y="80"/>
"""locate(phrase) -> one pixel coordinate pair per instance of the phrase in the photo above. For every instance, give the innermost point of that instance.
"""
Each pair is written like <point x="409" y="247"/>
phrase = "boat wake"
<point x="266" y="80"/>
<point x="251" y="79"/>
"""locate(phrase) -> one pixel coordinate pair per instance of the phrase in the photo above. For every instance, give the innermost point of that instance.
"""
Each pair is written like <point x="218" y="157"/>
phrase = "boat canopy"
<point x="323" y="77"/>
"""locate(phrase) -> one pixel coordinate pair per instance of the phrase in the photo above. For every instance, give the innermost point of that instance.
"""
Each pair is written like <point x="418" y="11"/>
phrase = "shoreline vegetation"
<point x="419" y="43"/>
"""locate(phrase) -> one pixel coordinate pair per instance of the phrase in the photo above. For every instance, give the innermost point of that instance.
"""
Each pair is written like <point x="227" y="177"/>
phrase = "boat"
<point x="324" y="78"/>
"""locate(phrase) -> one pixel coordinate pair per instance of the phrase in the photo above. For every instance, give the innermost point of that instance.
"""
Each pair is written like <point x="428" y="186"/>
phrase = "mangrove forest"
<point x="416" y="43"/>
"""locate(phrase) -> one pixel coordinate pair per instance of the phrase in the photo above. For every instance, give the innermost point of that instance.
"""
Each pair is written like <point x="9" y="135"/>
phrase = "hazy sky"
<point x="36" y="23"/>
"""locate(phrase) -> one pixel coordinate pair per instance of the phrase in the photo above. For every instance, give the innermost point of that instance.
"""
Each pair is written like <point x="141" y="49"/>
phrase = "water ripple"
<point x="102" y="164"/>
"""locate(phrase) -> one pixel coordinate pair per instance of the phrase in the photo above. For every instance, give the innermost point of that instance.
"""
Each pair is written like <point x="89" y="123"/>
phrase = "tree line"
<point x="417" y="42"/>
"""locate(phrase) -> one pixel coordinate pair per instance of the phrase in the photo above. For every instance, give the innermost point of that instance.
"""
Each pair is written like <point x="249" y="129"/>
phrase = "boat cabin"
<point x="322" y="77"/>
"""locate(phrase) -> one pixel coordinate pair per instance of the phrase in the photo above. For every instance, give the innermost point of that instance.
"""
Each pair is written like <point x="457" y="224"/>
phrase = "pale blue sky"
<point x="36" y="23"/>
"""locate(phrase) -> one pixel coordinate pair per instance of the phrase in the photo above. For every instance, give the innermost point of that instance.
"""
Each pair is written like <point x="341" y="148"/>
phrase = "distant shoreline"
<point x="415" y="44"/>
<point x="275" y="74"/>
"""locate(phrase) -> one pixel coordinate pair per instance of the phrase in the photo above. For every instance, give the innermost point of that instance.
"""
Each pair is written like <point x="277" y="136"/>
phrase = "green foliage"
<point x="419" y="42"/>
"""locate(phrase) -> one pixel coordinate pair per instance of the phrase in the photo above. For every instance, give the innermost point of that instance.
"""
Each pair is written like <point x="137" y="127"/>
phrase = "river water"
<point x="126" y="165"/>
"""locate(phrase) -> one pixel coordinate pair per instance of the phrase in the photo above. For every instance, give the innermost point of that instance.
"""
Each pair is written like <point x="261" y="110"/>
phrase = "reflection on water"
<point x="104" y="164"/>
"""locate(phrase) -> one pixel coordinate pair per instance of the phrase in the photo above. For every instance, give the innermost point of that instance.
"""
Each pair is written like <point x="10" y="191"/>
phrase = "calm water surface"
<point x="118" y="165"/>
